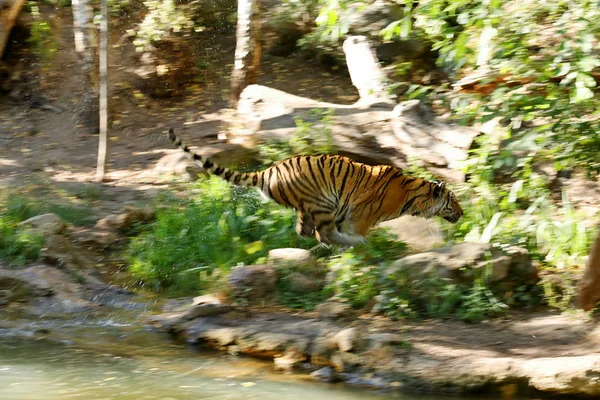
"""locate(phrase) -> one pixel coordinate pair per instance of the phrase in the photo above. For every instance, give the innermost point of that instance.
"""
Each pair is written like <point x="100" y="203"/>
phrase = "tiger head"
<point x="444" y="203"/>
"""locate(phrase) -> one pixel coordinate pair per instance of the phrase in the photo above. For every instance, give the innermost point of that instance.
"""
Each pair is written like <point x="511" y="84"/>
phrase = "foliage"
<point x="298" y="299"/>
<point x="41" y="37"/>
<point x="162" y="18"/>
<point x="358" y="269"/>
<point x="21" y="208"/>
<point x="313" y="135"/>
<point x="193" y="241"/>
<point x="362" y="276"/>
<point x="17" y="245"/>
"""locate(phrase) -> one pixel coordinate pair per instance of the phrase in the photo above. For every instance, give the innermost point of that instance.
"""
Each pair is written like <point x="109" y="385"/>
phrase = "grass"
<point x="22" y="208"/>
<point x="193" y="242"/>
<point x="19" y="246"/>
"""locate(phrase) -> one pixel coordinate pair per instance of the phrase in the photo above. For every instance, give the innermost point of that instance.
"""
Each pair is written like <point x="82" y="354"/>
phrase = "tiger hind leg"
<point x="329" y="234"/>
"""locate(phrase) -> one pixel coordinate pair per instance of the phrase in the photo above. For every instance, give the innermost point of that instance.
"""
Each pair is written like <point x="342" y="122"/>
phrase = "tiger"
<point x="338" y="200"/>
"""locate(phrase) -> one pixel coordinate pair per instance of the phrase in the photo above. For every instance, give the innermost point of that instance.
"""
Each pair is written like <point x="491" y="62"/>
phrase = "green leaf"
<point x="581" y="93"/>
<point x="254" y="247"/>
<point x="586" y="79"/>
<point x="587" y="64"/>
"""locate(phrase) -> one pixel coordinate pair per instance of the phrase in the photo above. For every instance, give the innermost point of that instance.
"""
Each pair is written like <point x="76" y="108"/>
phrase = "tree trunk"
<point x="589" y="286"/>
<point x="366" y="72"/>
<point x="103" y="149"/>
<point x="9" y="11"/>
<point x="247" y="50"/>
<point x="85" y="43"/>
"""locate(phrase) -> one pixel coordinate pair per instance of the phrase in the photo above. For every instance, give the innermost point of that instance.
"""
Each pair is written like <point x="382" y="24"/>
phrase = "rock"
<point x="325" y="374"/>
<point x="300" y="283"/>
<point x="225" y="154"/>
<point x="170" y="320"/>
<point x="565" y="375"/>
<point x="291" y="257"/>
<point x="207" y="299"/>
<point x="21" y="286"/>
<point x="333" y="310"/>
<point x="375" y="135"/>
<point x="253" y="282"/>
<point x="418" y="233"/>
<point x="129" y="217"/>
<point x="347" y="340"/>
<point x="467" y="261"/>
<point x="287" y="362"/>
<point x="46" y="224"/>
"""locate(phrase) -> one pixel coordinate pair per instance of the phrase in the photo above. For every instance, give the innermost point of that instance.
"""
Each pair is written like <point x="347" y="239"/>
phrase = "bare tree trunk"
<point x="103" y="149"/>
<point x="247" y="50"/>
<point x="365" y="71"/>
<point x="85" y="43"/>
<point x="9" y="11"/>
<point x="589" y="286"/>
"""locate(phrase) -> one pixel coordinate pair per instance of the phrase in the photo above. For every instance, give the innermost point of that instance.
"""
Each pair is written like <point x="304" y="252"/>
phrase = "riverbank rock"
<point x="465" y="262"/>
<point x="333" y="309"/>
<point x="127" y="219"/>
<point x="291" y="258"/>
<point x="252" y="282"/>
<point x="546" y="352"/>
<point x="46" y="224"/>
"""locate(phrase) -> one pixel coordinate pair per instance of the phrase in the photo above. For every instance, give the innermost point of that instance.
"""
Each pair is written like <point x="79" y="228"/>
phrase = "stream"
<point x="112" y="354"/>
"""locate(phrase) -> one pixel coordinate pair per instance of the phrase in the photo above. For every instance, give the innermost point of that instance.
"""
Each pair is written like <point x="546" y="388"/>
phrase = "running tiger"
<point x="338" y="199"/>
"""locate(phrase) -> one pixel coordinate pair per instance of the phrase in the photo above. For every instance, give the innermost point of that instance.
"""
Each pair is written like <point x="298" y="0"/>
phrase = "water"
<point x="41" y="369"/>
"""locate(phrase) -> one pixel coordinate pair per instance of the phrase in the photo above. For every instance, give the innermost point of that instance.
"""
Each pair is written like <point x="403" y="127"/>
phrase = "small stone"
<point x="300" y="283"/>
<point x="347" y="339"/>
<point x="325" y="374"/>
<point x="46" y="224"/>
<point x="333" y="310"/>
<point x="288" y="360"/>
<point x="253" y="281"/>
<point x="207" y="299"/>
<point x="291" y="257"/>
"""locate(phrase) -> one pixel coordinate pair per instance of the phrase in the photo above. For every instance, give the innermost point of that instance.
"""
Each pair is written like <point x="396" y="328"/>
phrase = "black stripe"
<point x="207" y="163"/>
<point x="408" y="204"/>
<point x="219" y="171"/>
<point x="254" y="179"/>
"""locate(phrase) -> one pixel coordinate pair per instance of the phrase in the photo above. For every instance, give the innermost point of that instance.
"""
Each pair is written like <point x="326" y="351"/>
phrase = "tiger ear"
<point x="439" y="188"/>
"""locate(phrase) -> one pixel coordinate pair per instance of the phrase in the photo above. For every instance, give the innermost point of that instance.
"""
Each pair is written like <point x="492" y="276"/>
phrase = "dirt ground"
<point x="44" y="152"/>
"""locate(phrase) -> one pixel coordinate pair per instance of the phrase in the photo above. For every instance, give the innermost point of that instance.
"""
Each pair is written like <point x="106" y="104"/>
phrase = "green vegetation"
<point x="19" y="245"/>
<point x="312" y="136"/>
<point x="22" y="208"/>
<point x="194" y="241"/>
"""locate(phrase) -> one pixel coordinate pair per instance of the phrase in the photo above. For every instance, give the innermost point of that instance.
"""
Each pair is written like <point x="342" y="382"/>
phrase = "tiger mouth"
<point x="452" y="218"/>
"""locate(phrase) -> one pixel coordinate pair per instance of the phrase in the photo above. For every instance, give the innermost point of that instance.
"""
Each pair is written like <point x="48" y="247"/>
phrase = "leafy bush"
<point x="313" y="135"/>
<point x="17" y="246"/>
<point x="193" y="241"/>
<point x="22" y="208"/>
<point x="358" y="269"/>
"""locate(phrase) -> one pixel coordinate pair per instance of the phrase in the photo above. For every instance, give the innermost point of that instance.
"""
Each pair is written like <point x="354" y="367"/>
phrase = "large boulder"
<point x="465" y="262"/>
<point x="379" y="134"/>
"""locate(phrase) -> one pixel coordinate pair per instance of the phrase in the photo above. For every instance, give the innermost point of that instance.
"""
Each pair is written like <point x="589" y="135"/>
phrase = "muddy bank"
<point x="536" y="353"/>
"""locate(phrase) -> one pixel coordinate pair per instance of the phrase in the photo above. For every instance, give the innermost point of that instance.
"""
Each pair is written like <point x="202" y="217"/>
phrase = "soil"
<point x="45" y="153"/>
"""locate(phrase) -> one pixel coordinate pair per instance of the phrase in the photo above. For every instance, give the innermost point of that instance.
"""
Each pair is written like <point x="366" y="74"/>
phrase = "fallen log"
<point x="9" y="11"/>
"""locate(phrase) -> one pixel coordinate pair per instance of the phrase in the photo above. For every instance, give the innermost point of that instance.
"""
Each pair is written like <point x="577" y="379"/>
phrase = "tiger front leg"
<point x="305" y="226"/>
